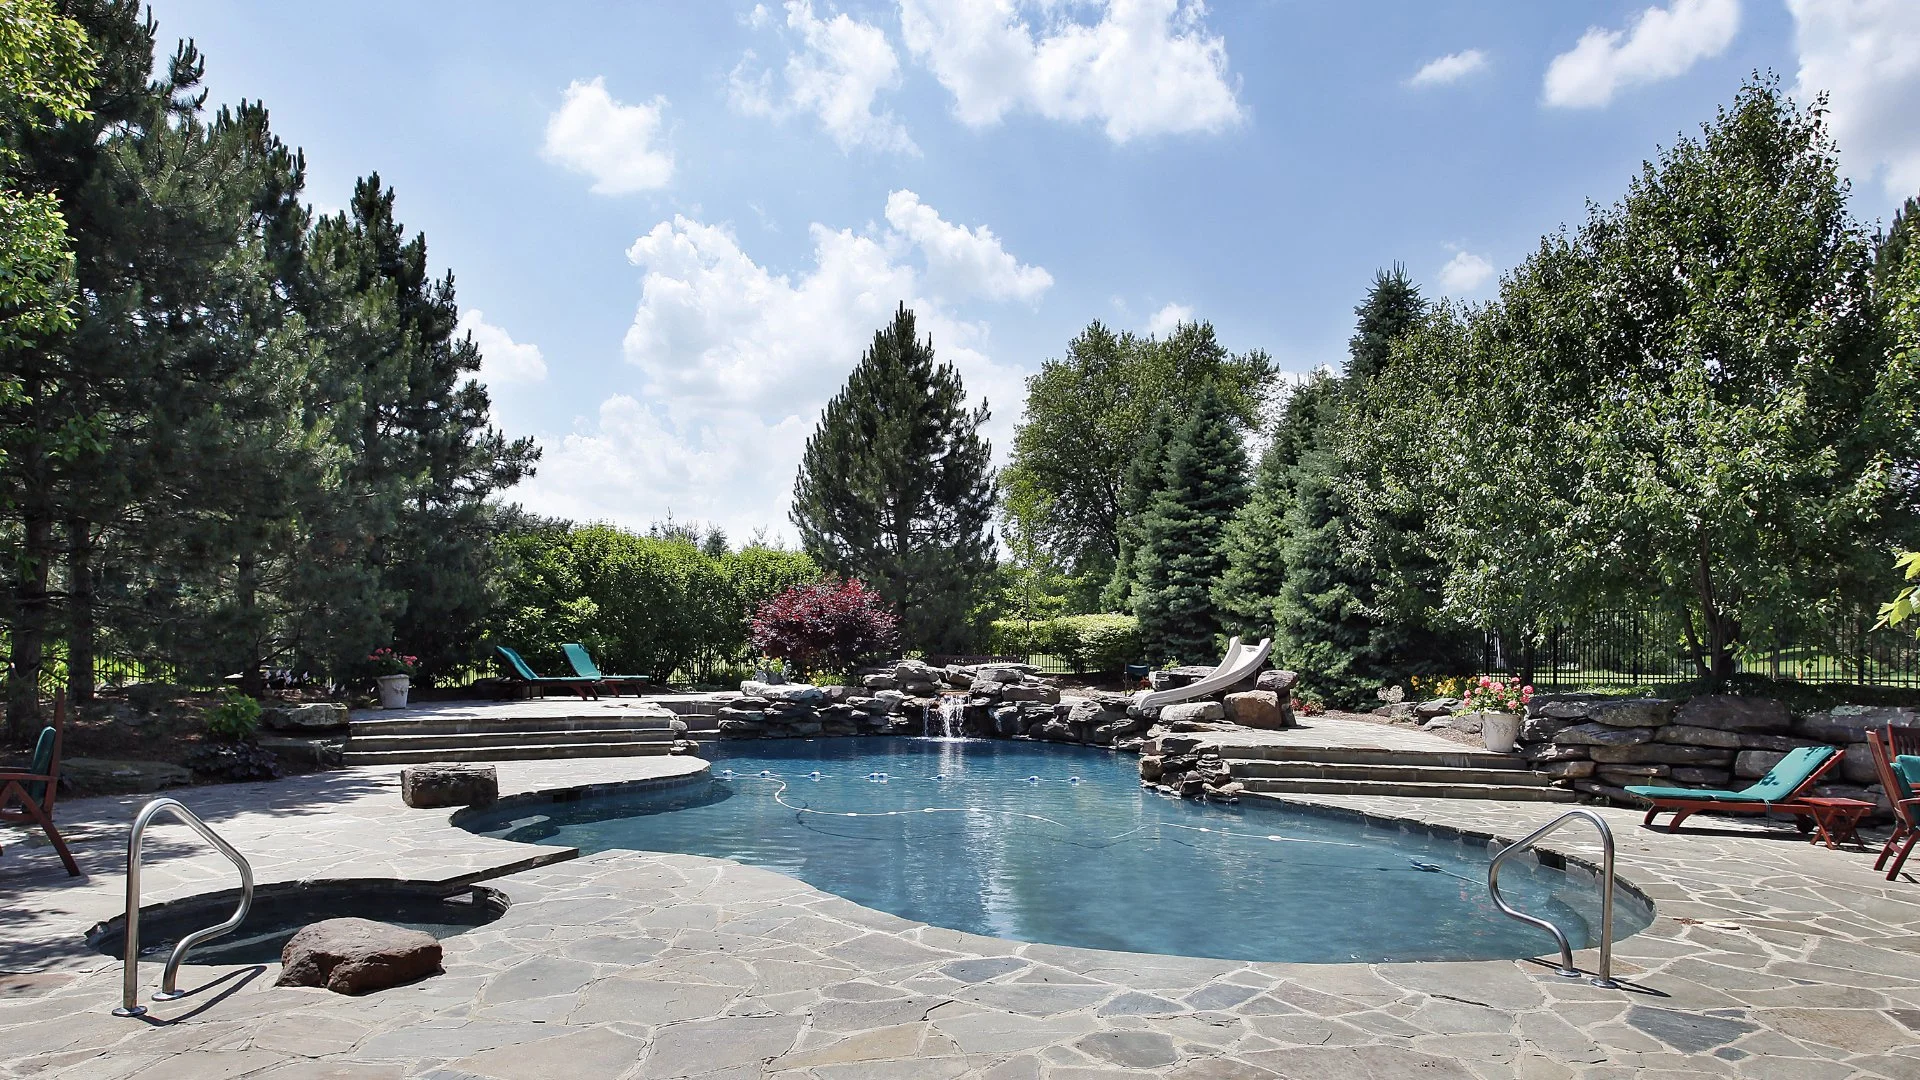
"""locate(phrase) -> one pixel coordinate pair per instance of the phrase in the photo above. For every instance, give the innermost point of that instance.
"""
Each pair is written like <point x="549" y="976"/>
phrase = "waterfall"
<point x="951" y="710"/>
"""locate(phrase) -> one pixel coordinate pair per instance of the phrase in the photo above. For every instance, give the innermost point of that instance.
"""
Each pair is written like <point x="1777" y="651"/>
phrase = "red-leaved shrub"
<point x="830" y="625"/>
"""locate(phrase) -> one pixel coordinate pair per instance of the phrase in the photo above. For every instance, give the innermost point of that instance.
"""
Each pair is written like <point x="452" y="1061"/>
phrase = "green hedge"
<point x="641" y="605"/>
<point x="1085" y="642"/>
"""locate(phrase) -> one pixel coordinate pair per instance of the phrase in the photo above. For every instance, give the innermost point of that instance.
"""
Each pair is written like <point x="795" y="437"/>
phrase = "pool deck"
<point x="1771" y="959"/>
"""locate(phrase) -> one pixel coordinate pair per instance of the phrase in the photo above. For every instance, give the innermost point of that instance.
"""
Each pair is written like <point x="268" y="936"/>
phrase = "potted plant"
<point x="1499" y="704"/>
<point x="393" y="672"/>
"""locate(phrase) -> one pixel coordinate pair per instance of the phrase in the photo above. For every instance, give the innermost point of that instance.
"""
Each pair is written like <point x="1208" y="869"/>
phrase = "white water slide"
<point x="1241" y="661"/>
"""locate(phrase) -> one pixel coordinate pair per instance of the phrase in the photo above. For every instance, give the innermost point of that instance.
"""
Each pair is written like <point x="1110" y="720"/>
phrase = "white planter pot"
<point x="1499" y="730"/>
<point x="393" y="690"/>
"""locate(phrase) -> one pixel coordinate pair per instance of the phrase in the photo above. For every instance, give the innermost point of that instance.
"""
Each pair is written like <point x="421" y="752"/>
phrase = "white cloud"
<point x="1663" y="43"/>
<point x="613" y="143"/>
<point x="504" y="361"/>
<point x="1465" y="272"/>
<point x="1450" y="68"/>
<point x="837" y="73"/>
<point x="963" y="261"/>
<point x="1167" y="318"/>
<point x="1146" y="67"/>
<point x="1866" y="54"/>
<point x="735" y="361"/>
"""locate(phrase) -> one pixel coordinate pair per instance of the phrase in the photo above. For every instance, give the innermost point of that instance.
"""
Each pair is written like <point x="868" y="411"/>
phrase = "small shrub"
<point x="233" y="719"/>
<point x="831" y="625"/>
<point x="1086" y="642"/>
<point x="1308" y="701"/>
<point x="232" y="763"/>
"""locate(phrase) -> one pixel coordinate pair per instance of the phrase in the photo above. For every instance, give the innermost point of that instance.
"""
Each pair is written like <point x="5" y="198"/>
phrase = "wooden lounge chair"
<point x="538" y="684"/>
<point x="1897" y="773"/>
<point x="584" y="667"/>
<point x="26" y="798"/>
<point x="1780" y="790"/>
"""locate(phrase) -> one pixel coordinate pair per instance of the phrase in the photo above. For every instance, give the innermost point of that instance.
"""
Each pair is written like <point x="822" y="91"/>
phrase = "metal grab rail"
<point x="1605" y="978"/>
<point x="130" y="965"/>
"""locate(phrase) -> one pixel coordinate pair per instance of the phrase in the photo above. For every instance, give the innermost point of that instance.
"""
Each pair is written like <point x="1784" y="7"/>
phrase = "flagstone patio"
<point x="1771" y="958"/>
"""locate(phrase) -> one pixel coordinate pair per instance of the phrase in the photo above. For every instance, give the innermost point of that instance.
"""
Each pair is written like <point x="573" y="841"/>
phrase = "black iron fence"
<point x="1644" y="648"/>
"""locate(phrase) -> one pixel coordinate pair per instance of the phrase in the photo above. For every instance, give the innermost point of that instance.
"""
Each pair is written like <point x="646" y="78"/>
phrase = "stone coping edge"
<point x="1548" y="857"/>
<point x="573" y="793"/>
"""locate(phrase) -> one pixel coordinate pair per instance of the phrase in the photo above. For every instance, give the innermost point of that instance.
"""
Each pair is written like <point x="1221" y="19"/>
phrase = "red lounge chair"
<point x="1780" y="790"/>
<point x="26" y="798"/>
<point x="1887" y="749"/>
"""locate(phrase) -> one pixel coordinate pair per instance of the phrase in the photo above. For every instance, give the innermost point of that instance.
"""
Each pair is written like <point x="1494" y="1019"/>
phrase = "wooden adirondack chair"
<point x="1887" y="747"/>
<point x="26" y="798"/>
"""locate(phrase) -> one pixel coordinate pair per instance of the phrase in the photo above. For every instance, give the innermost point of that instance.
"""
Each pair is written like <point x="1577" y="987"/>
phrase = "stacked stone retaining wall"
<point x="1600" y="745"/>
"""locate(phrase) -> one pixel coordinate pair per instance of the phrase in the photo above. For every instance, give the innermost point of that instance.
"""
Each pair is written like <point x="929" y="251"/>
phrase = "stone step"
<point x="365" y="743"/>
<point x="532" y="751"/>
<point x="1463" y="758"/>
<point x="638" y="721"/>
<point x="1405" y="774"/>
<point x="1496" y="792"/>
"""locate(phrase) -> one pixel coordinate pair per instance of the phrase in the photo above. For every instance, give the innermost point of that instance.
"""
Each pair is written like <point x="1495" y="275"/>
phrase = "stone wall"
<point x="1600" y="745"/>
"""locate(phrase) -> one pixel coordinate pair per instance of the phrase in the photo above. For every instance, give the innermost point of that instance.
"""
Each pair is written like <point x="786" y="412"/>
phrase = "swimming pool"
<point x="1040" y="842"/>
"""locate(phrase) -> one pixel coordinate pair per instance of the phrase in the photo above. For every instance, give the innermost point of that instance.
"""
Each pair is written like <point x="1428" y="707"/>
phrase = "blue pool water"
<point x="1036" y="842"/>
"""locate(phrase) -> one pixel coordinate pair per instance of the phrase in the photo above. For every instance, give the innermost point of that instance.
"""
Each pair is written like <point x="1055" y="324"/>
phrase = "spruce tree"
<point x="1393" y="308"/>
<point x="1138" y="486"/>
<point x="1202" y="483"/>
<point x="894" y="488"/>
<point x="1256" y="539"/>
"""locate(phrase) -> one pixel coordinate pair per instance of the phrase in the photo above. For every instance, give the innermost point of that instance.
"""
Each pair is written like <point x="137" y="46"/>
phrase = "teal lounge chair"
<point x="584" y="667"/>
<point x="1780" y="790"/>
<point x="26" y="798"/>
<point x="520" y="672"/>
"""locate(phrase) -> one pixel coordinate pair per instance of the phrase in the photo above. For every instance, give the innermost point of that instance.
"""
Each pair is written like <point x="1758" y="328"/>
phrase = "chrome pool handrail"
<point x="1604" y="979"/>
<point x="130" y="965"/>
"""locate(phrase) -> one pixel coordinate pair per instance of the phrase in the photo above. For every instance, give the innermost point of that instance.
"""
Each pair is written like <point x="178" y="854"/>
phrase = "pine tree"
<point x="894" y="488"/>
<point x="421" y="453"/>
<point x="1256" y="539"/>
<point x="1138" y="485"/>
<point x="1392" y="308"/>
<point x="1203" y="482"/>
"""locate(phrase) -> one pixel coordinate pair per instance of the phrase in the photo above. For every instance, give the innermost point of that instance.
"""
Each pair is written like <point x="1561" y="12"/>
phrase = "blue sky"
<point x="674" y="226"/>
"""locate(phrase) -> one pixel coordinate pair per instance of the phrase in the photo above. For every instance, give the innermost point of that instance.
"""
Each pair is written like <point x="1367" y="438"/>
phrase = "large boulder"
<point x="314" y="716"/>
<point x="110" y="776"/>
<point x="1258" y="709"/>
<point x="1000" y="673"/>
<point x="1730" y="713"/>
<point x="1631" y="712"/>
<point x="1277" y="681"/>
<point x="1030" y="692"/>
<point x="357" y="956"/>
<point x="448" y="783"/>
<point x="1603" y="735"/>
<point x="1666" y="753"/>
<point x="1191" y="711"/>
<point x="1850" y="723"/>
<point x="1688" y="735"/>
<point x="786" y="693"/>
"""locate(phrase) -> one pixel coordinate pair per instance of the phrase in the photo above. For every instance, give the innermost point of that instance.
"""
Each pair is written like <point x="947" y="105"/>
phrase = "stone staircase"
<point x="1335" y="770"/>
<point x="413" y="740"/>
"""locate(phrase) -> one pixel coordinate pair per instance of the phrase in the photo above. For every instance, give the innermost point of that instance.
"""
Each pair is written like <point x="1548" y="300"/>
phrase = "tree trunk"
<point x="253" y="676"/>
<point x="31" y="610"/>
<point x="82" y="619"/>
<point x="1715" y="660"/>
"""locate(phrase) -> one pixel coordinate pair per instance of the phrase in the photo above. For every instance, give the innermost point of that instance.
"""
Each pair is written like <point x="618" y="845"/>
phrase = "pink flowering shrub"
<point x="830" y="625"/>
<point x="1493" y="695"/>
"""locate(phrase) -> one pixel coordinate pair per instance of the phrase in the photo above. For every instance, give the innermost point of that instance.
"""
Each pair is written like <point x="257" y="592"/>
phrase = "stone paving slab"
<point x="1771" y="958"/>
<point x="545" y="708"/>
<point x="347" y="823"/>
